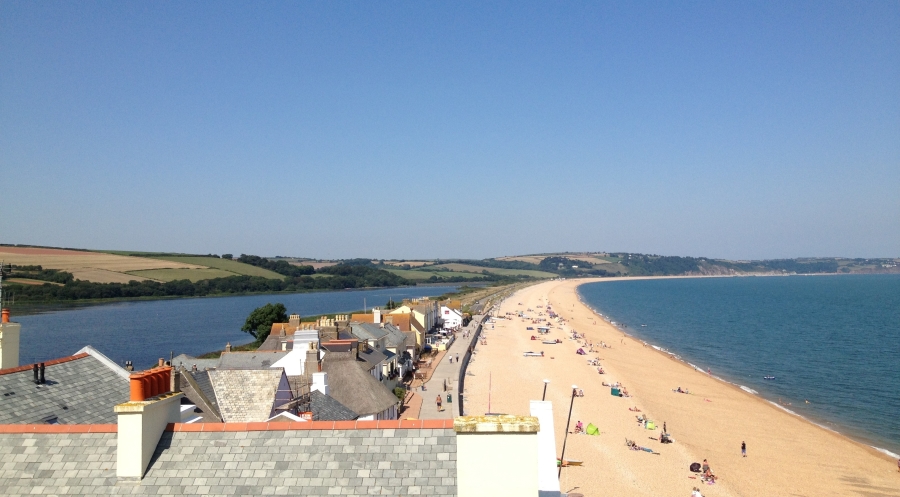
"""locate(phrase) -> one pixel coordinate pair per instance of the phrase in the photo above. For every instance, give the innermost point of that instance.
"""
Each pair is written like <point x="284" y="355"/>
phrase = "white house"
<point x="452" y="318"/>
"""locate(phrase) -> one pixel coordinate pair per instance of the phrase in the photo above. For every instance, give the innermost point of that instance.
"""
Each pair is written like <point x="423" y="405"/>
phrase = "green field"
<point x="225" y="265"/>
<point x="502" y="272"/>
<point x="194" y="275"/>
<point x="422" y="275"/>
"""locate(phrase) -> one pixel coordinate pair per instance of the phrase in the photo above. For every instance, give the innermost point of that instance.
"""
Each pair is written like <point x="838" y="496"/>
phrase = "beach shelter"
<point x="592" y="430"/>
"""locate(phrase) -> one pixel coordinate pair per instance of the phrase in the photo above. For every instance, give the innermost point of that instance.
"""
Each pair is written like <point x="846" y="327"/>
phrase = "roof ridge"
<point x="51" y="362"/>
<point x="106" y="361"/>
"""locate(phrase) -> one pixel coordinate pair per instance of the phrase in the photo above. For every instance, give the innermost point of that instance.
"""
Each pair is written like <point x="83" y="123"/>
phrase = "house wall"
<point x="9" y="345"/>
<point x="140" y="426"/>
<point x="496" y="455"/>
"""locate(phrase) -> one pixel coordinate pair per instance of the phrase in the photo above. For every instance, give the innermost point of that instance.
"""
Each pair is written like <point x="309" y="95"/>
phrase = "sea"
<point x="831" y="340"/>
<point x="145" y="331"/>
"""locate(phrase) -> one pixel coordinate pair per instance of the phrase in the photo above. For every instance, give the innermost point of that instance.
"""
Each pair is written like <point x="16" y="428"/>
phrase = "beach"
<point x="786" y="454"/>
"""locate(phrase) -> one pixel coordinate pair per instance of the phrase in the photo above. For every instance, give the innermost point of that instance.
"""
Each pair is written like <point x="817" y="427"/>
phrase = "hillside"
<point x="122" y="267"/>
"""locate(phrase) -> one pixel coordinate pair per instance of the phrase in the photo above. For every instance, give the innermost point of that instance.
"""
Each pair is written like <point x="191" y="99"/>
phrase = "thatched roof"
<point x="356" y="389"/>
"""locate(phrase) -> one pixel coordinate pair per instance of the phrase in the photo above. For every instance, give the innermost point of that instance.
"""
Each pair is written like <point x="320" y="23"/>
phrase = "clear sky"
<point x="419" y="129"/>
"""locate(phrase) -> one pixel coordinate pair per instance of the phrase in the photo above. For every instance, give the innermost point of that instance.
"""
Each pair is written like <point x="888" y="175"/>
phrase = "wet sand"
<point x="787" y="455"/>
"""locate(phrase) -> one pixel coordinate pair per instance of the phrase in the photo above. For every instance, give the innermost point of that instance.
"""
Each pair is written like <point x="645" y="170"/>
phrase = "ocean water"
<point x="831" y="340"/>
<point x="145" y="331"/>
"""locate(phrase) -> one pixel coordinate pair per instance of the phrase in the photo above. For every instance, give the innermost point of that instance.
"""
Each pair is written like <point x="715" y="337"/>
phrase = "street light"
<point x="544" y="397"/>
<point x="566" y="437"/>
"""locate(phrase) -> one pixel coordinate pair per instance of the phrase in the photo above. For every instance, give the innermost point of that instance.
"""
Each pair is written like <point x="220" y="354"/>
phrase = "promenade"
<point x="445" y="379"/>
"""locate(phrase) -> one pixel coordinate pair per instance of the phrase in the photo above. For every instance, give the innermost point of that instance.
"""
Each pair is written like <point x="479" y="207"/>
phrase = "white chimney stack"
<point x="9" y="342"/>
<point x="376" y="312"/>
<point x="320" y="383"/>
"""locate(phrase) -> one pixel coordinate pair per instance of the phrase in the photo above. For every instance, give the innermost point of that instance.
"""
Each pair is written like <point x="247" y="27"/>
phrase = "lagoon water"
<point x="145" y="331"/>
<point x="831" y="340"/>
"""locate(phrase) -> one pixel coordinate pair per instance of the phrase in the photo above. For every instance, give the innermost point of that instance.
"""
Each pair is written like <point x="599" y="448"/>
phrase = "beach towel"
<point x="592" y="430"/>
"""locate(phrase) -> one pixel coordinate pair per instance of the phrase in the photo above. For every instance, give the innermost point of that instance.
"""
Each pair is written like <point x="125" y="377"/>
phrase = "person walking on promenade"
<point x="457" y="357"/>
<point x="744" y="449"/>
<point x="439" y="404"/>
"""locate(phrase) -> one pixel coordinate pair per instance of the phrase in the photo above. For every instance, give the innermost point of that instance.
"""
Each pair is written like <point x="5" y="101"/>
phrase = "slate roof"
<point x="250" y="360"/>
<point x="245" y="395"/>
<point x="326" y="408"/>
<point x="189" y="361"/>
<point x="79" y="389"/>
<point x="369" y="358"/>
<point x="353" y="387"/>
<point x="198" y="389"/>
<point x="293" y="462"/>
<point x="395" y="337"/>
<point x="367" y="331"/>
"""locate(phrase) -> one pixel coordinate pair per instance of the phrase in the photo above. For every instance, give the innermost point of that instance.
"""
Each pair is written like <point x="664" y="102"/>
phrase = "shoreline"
<point x="30" y="308"/>
<point x="788" y="454"/>
<point x="841" y="430"/>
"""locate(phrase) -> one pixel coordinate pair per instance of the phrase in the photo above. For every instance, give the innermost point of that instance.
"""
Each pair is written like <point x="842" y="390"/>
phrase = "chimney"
<point x="128" y="366"/>
<point x="294" y="321"/>
<point x="160" y="362"/>
<point x="34" y="369"/>
<point x="9" y="342"/>
<point x="320" y="383"/>
<point x="311" y="359"/>
<point x="41" y="374"/>
<point x="175" y="381"/>
<point x="194" y="368"/>
<point x="376" y="313"/>
<point x="143" y="419"/>
<point x="227" y="349"/>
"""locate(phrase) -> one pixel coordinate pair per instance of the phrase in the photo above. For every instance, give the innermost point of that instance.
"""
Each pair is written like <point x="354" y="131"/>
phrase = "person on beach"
<point x="664" y="428"/>
<point x="441" y="410"/>
<point x="457" y="357"/>
<point x="744" y="449"/>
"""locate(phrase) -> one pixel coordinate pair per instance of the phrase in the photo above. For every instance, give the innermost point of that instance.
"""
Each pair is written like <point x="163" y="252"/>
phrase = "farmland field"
<point x="226" y="265"/>
<point x="194" y="275"/>
<point x="106" y="276"/>
<point x="536" y="259"/>
<point x="29" y="281"/>
<point x="502" y="272"/>
<point x="421" y="275"/>
<point x="84" y="264"/>
<point x="409" y="263"/>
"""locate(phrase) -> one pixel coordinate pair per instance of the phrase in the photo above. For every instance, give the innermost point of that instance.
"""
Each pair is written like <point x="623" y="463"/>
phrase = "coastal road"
<point x="447" y="374"/>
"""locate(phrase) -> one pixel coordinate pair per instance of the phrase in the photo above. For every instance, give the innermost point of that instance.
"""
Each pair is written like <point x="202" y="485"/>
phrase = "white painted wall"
<point x="452" y="318"/>
<point x="548" y="472"/>
<point x="489" y="464"/>
<point x="293" y="363"/>
<point x="140" y="426"/>
<point x="9" y="345"/>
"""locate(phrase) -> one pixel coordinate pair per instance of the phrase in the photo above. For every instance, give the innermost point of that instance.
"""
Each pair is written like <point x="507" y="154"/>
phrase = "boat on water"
<point x="768" y="377"/>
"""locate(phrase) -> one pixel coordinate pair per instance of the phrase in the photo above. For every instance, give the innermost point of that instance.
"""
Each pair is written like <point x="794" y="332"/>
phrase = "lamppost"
<point x="566" y="437"/>
<point x="544" y="397"/>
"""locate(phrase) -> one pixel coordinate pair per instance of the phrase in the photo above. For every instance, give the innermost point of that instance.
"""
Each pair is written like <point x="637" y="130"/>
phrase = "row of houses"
<point x="336" y="369"/>
<point x="83" y="425"/>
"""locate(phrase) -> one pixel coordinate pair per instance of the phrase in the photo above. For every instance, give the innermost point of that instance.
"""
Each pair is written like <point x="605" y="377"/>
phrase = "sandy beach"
<point x="786" y="455"/>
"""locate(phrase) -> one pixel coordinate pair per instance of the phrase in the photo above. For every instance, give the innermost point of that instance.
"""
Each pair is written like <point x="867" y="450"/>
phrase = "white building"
<point x="452" y="318"/>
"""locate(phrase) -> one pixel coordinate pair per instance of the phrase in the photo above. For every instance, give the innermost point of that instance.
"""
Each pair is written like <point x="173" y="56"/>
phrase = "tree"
<point x="259" y="322"/>
<point x="228" y="256"/>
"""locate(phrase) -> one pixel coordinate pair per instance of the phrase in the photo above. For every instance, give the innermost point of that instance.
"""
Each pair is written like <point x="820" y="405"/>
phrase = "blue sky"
<point x="417" y="129"/>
